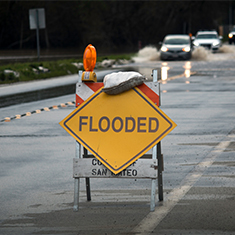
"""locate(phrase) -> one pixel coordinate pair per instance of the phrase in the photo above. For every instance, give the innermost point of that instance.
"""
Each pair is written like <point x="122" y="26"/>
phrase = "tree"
<point x="110" y="25"/>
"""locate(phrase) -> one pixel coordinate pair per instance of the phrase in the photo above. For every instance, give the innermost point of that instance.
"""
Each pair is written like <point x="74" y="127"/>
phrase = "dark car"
<point x="231" y="36"/>
<point x="176" y="46"/>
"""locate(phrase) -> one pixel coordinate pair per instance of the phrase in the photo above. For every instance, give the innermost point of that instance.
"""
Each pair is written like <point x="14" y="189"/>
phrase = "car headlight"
<point x="230" y="35"/>
<point x="164" y="48"/>
<point x="195" y="43"/>
<point x="186" y="49"/>
<point x="215" y="43"/>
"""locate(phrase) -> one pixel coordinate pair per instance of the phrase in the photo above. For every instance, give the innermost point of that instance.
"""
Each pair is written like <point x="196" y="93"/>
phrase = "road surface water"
<point x="36" y="163"/>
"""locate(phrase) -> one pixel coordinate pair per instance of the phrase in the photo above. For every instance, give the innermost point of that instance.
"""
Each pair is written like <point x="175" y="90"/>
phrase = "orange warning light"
<point x="89" y="58"/>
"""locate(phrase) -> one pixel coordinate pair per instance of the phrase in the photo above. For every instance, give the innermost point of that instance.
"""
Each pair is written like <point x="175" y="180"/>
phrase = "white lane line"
<point x="150" y="222"/>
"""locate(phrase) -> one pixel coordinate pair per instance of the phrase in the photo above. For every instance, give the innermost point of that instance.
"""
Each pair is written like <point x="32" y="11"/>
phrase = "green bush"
<point x="31" y="71"/>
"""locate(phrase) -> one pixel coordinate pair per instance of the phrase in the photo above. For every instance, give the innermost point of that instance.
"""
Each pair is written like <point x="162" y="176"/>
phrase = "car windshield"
<point x="176" y="41"/>
<point x="206" y="36"/>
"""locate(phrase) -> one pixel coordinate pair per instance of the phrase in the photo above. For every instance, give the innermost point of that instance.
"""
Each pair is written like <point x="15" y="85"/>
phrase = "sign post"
<point x="37" y="21"/>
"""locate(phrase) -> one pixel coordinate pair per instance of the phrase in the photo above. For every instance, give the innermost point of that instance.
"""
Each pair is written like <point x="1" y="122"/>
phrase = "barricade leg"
<point x="88" y="190"/>
<point x="153" y="195"/>
<point x="77" y="180"/>
<point x="76" y="194"/>
<point x="160" y="168"/>
<point x="153" y="188"/>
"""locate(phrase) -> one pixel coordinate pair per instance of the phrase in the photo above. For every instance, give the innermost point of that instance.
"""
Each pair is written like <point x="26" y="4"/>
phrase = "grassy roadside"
<point x="17" y="72"/>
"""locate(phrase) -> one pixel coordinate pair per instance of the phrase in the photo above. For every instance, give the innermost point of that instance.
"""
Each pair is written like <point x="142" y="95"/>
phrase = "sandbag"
<point x="116" y="83"/>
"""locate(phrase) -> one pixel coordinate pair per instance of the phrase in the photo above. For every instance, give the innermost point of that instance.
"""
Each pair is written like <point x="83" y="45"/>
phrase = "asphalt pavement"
<point x="199" y="188"/>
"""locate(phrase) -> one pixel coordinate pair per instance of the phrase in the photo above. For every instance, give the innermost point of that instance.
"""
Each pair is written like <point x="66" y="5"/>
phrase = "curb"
<point x="35" y="95"/>
<point x="44" y="89"/>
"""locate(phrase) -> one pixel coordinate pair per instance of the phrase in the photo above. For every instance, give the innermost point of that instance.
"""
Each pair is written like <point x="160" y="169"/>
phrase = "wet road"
<point x="199" y="168"/>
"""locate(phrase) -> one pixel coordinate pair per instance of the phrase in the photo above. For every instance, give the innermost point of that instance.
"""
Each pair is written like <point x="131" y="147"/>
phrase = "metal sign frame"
<point x="156" y="163"/>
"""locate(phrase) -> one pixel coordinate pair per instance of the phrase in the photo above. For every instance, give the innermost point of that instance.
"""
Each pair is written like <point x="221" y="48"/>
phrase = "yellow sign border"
<point x="172" y="125"/>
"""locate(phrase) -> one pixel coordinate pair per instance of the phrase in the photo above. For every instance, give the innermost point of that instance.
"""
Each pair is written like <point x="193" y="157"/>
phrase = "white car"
<point x="207" y="39"/>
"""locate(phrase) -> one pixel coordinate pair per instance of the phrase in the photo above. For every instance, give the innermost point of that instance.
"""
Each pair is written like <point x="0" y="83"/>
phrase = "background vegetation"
<point x="111" y="26"/>
<point x="19" y="72"/>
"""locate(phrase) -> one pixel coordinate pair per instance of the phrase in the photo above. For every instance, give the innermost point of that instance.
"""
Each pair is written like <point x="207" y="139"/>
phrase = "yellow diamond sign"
<point x="118" y="129"/>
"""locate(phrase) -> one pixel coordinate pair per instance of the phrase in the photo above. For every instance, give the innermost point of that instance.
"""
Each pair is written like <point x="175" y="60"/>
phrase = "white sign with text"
<point x="93" y="168"/>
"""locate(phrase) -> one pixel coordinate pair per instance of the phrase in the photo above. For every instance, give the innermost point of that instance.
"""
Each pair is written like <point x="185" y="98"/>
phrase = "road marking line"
<point x="18" y="116"/>
<point x="150" y="222"/>
<point x="46" y="109"/>
<point x="7" y="119"/>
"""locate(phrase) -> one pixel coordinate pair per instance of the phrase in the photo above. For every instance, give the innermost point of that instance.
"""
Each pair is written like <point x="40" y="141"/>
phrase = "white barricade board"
<point x="92" y="168"/>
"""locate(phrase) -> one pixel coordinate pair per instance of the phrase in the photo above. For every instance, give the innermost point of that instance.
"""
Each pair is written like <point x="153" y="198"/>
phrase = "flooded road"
<point x="203" y="62"/>
<point x="226" y="52"/>
<point x="199" y="168"/>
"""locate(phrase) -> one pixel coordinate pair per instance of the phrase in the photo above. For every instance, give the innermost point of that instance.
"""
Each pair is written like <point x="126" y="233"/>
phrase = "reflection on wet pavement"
<point x="164" y="72"/>
<point x="187" y="67"/>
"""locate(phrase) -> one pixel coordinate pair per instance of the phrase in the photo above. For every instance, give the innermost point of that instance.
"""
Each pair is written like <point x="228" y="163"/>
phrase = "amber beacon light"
<point x="89" y="61"/>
